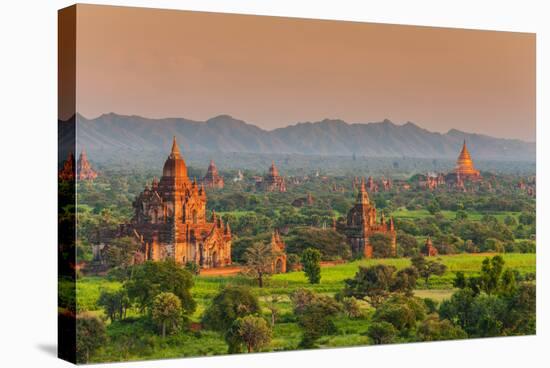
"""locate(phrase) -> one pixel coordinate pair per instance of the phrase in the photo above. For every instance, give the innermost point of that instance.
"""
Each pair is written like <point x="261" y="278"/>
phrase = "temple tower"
<point x="464" y="164"/>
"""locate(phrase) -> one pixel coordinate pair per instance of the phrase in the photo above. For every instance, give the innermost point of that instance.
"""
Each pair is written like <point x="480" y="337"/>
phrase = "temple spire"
<point x="175" y="149"/>
<point x="464" y="152"/>
<point x="464" y="163"/>
<point x="363" y="196"/>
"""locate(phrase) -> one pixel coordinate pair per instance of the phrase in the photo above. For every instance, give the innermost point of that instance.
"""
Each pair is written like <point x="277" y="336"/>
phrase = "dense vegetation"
<point x="222" y="300"/>
<point x="482" y="284"/>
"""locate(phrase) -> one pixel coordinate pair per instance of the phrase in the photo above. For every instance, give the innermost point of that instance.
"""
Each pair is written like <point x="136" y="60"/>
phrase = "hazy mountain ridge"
<point x="115" y="134"/>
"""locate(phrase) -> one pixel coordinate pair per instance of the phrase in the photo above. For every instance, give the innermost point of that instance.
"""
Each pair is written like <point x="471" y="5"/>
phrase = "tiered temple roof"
<point x="362" y="223"/>
<point x="212" y="179"/>
<point x="170" y="219"/>
<point x="464" y="164"/>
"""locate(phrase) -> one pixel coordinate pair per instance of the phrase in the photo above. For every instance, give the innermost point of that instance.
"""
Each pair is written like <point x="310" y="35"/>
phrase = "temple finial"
<point x="175" y="149"/>
<point x="363" y="196"/>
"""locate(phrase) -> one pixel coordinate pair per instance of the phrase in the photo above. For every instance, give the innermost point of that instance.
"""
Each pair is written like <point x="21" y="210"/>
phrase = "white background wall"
<point x="28" y="151"/>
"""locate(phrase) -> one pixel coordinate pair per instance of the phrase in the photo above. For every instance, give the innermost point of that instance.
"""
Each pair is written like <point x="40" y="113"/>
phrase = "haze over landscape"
<point x="111" y="134"/>
<point x="273" y="72"/>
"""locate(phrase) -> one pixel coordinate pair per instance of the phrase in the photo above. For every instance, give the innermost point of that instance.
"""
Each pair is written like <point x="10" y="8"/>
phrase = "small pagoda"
<point x="212" y="179"/>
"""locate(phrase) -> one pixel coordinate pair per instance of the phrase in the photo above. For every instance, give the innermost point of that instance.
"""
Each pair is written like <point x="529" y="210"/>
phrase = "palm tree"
<point x="259" y="261"/>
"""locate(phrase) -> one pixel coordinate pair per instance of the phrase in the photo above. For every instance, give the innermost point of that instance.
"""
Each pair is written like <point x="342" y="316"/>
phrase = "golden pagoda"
<point x="464" y="164"/>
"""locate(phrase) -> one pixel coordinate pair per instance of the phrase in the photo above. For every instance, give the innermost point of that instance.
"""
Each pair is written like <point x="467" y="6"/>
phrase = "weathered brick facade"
<point x="272" y="182"/>
<point x="361" y="224"/>
<point x="279" y="249"/>
<point x="170" y="220"/>
<point x="212" y="179"/>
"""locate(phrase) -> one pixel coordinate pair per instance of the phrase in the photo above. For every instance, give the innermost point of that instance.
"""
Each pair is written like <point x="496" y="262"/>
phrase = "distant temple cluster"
<point x="362" y="223"/>
<point x="83" y="170"/>
<point x="308" y="200"/>
<point x="373" y="186"/>
<point x="529" y="186"/>
<point x="272" y="182"/>
<point x="170" y="220"/>
<point x="463" y="172"/>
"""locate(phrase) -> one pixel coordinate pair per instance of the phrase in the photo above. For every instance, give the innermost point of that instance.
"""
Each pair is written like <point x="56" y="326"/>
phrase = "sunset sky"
<point x="273" y="72"/>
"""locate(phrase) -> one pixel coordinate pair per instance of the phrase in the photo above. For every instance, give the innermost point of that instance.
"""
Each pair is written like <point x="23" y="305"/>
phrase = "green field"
<point x="472" y="215"/>
<point x="286" y="335"/>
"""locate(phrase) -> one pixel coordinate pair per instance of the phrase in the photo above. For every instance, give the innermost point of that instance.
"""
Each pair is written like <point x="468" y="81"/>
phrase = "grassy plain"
<point x="132" y="339"/>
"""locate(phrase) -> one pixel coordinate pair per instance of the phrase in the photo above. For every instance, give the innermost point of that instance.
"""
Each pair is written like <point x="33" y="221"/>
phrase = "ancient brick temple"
<point x="84" y="169"/>
<point x="272" y="182"/>
<point x="387" y="184"/>
<point x="362" y="223"/>
<point x="212" y="179"/>
<point x="432" y="181"/>
<point x="68" y="171"/>
<point x="429" y="250"/>
<point x="308" y="200"/>
<point x="170" y="220"/>
<point x="371" y="185"/>
<point x="278" y="248"/>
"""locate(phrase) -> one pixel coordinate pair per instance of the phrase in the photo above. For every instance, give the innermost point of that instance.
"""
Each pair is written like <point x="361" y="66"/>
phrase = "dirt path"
<point x="235" y="270"/>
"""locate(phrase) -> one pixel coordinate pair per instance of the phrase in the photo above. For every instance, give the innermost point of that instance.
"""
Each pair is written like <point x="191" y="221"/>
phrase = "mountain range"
<point x="111" y="134"/>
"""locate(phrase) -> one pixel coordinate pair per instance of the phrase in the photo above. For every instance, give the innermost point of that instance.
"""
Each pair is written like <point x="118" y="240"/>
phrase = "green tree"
<point x="382" y="332"/>
<point x="508" y="284"/>
<point x="527" y="218"/>
<point x="372" y="283"/>
<point x="434" y="329"/>
<point x="487" y="316"/>
<point x="152" y="278"/>
<point x="521" y="316"/>
<point x="493" y="245"/>
<point x="381" y="245"/>
<point x="114" y="303"/>
<point x="510" y="221"/>
<point x="351" y="307"/>
<point x="402" y="312"/>
<point x="491" y="270"/>
<point x="315" y="315"/>
<point x="458" y="309"/>
<point x="460" y="281"/>
<point x="259" y="261"/>
<point x="229" y="304"/>
<point x="192" y="267"/>
<point x="311" y="262"/>
<point x="273" y="308"/>
<point x="166" y="311"/>
<point x="330" y="243"/>
<point x="433" y="207"/>
<point x="461" y="215"/>
<point x="408" y="244"/>
<point x="427" y="268"/>
<point x="120" y="253"/>
<point x="498" y="314"/>
<point x="90" y="335"/>
<point x="250" y="331"/>
<point x="405" y="281"/>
